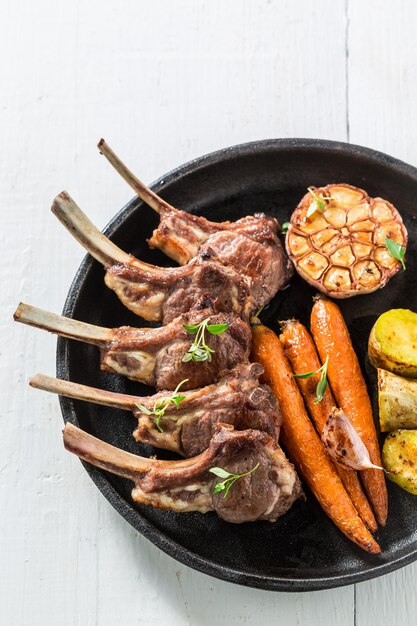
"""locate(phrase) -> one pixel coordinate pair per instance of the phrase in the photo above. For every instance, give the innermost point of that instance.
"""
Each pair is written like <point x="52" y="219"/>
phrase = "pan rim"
<point x="124" y="508"/>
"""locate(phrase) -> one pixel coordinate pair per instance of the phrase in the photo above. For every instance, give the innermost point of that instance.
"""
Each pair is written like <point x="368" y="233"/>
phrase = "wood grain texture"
<point x="382" y="88"/>
<point x="163" y="82"/>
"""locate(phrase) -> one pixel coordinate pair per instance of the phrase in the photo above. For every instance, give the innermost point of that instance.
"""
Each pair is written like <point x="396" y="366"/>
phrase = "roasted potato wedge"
<point x="397" y="399"/>
<point x="399" y="457"/>
<point x="393" y="342"/>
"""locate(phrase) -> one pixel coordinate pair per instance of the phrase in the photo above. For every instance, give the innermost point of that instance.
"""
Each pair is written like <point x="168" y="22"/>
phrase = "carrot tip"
<point x="283" y="323"/>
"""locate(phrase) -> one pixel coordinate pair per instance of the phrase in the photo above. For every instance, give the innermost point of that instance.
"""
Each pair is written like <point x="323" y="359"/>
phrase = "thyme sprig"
<point x="396" y="250"/>
<point x="319" y="203"/>
<point x="162" y="404"/>
<point x="230" y="479"/>
<point x="284" y="228"/>
<point x="199" y="350"/>
<point x="323" y="382"/>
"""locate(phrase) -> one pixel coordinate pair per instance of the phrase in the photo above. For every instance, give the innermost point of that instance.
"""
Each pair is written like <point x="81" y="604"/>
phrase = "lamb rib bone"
<point x="179" y="248"/>
<point x="201" y="227"/>
<point x="237" y="399"/>
<point x="182" y="486"/>
<point x="250" y="245"/>
<point x="64" y="326"/>
<point x="152" y="292"/>
<point x="153" y="355"/>
<point x="77" y="391"/>
<point x="147" y="195"/>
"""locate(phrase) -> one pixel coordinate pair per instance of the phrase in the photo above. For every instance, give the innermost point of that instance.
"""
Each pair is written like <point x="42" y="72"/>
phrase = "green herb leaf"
<point x="192" y="329"/>
<point x="143" y="409"/>
<point x="162" y="404"/>
<point x="322" y="384"/>
<point x="217" y="329"/>
<point x="229" y="485"/>
<point x="284" y="228"/>
<point x="219" y="471"/>
<point x="259" y="311"/>
<point x="319" y="203"/>
<point x="200" y="357"/>
<point x="230" y="479"/>
<point x="199" y="351"/>
<point x="177" y="401"/>
<point x="306" y="375"/>
<point x="321" y="389"/>
<point x="396" y="250"/>
<point x="255" y="321"/>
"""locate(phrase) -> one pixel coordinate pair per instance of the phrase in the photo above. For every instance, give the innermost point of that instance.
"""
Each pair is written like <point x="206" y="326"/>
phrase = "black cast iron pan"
<point x="303" y="550"/>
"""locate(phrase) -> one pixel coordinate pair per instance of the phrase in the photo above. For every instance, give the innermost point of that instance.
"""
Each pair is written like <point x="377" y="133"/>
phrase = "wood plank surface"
<point x="163" y="82"/>
<point x="382" y="112"/>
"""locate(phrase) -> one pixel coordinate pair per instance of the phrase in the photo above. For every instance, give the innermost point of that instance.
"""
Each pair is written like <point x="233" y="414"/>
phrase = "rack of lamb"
<point x="265" y="488"/>
<point x="250" y="245"/>
<point x="186" y="422"/>
<point x="156" y="293"/>
<point x="156" y="356"/>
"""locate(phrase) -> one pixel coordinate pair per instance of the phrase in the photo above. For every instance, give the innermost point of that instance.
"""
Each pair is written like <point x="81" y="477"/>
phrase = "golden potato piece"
<point x="399" y="458"/>
<point x="347" y="253"/>
<point x="397" y="401"/>
<point x="393" y="342"/>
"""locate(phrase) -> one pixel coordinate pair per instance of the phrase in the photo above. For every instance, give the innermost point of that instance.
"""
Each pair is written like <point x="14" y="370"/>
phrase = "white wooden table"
<point x="163" y="82"/>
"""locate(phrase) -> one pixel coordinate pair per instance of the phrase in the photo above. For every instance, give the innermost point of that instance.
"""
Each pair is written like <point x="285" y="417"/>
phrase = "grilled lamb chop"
<point x="153" y="355"/>
<point x="250" y="245"/>
<point x="237" y="399"/>
<point x="155" y="293"/>
<point x="266" y="492"/>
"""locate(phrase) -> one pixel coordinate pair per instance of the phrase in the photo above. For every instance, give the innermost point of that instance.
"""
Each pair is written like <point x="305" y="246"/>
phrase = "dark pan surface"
<point x="303" y="550"/>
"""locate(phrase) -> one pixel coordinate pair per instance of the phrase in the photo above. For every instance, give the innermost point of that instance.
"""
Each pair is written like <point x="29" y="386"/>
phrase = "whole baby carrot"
<point x="332" y="339"/>
<point x="302" y="354"/>
<point x="303" y="443"/>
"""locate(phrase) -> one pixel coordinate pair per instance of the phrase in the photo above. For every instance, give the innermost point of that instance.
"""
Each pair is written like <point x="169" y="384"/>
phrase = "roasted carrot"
<point x="303" y="443"/>
<point x="302" y="354"/>
<point x="332" y="339"/>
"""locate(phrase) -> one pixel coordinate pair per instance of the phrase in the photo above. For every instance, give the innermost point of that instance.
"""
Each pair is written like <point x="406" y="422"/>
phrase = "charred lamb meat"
<point x="250" y="245"/>
<point x="156" y="293"/>
<point x="160" y="357"/>
<point x="185" y="422"/>
<point x="264" y="486"/>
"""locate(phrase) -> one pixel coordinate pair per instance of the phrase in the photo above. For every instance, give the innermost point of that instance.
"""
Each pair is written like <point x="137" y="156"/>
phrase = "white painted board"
<point x="163" y="82"/>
